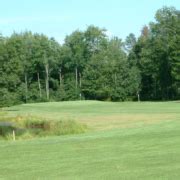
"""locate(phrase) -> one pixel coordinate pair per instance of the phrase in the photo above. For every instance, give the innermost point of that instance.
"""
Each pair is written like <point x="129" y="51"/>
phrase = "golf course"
<point x="90" y="90"/>
<point x="123" y="140"/>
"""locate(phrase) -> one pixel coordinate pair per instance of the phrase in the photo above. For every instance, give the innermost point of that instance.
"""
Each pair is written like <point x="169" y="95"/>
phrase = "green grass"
<point x="125" y="141"/>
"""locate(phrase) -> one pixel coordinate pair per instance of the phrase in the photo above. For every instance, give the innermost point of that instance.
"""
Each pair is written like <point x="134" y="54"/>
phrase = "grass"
<point x="125" y="141"/>
<point x="28" y="127"/>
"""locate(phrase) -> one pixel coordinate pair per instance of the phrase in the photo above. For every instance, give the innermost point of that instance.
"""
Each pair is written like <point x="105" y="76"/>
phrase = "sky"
<point x="58" y="18"/>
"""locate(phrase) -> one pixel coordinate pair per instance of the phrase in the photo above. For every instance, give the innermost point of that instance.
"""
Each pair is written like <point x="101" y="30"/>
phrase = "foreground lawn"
<point x="124" y="141"/>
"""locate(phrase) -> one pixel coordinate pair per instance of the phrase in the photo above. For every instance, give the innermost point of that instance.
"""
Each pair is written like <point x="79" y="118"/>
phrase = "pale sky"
<point x="58" y="18"/>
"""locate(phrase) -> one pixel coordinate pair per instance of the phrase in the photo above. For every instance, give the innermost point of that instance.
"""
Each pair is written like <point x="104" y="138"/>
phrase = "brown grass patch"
<point x="125" y="120"/>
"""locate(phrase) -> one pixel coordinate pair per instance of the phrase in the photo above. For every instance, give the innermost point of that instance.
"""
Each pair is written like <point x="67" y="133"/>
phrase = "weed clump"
<point x="28" y="127"/>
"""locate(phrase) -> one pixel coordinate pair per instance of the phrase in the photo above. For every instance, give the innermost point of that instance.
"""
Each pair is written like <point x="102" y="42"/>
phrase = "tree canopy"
<point x="90" y="65"/>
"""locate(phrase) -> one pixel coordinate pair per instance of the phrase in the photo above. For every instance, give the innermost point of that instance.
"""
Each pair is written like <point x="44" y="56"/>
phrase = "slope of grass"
<point x="102" y="115"/>
<point x="127" y="141"/>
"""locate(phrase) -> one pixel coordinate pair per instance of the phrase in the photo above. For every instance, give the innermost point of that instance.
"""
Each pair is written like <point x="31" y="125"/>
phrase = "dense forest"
<point x="90" y="65"/>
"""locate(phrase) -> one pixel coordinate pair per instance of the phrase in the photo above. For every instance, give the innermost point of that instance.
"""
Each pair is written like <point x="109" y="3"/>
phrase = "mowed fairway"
<point x="124" y="141"/>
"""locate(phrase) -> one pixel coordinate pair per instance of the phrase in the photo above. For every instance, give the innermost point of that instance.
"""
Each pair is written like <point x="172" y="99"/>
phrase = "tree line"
<point x="90" y="65"/>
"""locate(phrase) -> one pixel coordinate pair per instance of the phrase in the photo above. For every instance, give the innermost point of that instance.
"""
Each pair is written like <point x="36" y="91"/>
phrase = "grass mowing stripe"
<point x="140" y="151"/>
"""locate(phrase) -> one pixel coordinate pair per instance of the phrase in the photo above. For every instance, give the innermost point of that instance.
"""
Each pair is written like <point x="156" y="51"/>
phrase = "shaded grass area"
<point x="127" y="141"/>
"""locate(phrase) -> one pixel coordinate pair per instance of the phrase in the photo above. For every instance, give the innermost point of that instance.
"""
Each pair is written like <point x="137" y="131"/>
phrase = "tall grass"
<point x="26" y="127"/>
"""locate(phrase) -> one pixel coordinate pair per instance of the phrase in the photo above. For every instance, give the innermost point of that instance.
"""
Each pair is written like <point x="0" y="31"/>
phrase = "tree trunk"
<point x="80" y="95"/>
<point x="39" y="85"/>
<point x="47" y="80"/>
<point x="26" y="86"/>
<point x="138" y="97"/>
<point x="80" y="83"/>
<point x="115" y="79"/>
<point x="60" y="77"/>
<point x="76" y="71"/>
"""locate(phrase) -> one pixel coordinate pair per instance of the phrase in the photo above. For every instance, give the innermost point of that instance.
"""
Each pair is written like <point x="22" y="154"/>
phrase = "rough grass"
<point x="102" y="115"/>
<point x="28" y="127"/>
<point x="127" y="141"/>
